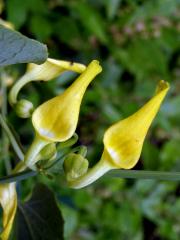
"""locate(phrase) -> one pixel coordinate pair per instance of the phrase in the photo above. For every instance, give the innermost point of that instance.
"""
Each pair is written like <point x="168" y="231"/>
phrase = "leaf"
<point x="19" y="13"/>
<point x="169" y="155"/>
<point x="112" y="7"/>
<point x="92" y="21"/>
<point x="41" y="27"/>
<point x="154" y="8"/>
<point x="40" y="218"/>
<point x="17" y="48"/>
<point x="1" y="6"/>
<point x="138" y="53"/>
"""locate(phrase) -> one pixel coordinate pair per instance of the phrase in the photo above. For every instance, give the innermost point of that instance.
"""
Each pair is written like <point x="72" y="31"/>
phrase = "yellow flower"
<point x="8" y="201"/>
<point x="50" y="69"/>
<point x="56" y="119"/>
<point x="123" y="141"/>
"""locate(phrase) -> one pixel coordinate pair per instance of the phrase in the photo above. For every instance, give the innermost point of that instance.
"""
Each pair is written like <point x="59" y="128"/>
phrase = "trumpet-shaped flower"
<point x="123" y="141"/>
<point x="56" y="119"/>
<point x="50" y="69"/>
<point x="8" y="201"/>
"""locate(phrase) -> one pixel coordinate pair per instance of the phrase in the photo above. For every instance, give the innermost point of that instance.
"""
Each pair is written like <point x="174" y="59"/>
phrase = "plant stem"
<point x="142" y="174"/>
<point x="5" y="140"/>
<point x="11" y="137"/>
<point x="17" y="87"/>
<point x="37" y="145"/>
<point x="18" y="176"/>
<point x="91" y="176"/>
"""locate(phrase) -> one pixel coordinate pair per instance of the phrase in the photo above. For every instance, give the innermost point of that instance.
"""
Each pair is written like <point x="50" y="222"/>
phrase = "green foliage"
<point x="137" y="43"/>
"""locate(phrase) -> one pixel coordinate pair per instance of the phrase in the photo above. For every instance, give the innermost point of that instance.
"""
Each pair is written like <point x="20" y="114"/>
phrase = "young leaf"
<point x="17" y="48"/>
<point x="40" y="217"/>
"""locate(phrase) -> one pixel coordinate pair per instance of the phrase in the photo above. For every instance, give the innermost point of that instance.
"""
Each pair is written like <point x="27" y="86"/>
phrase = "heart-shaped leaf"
<point x="39" y="218"/>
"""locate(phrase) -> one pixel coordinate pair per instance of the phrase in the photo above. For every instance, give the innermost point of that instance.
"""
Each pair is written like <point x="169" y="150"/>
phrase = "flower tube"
<point x="124" y="140"/>
<point x="56" y="119"/>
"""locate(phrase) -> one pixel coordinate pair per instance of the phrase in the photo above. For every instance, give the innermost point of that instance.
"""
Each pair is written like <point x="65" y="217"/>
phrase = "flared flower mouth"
<point x="123" y="141"/>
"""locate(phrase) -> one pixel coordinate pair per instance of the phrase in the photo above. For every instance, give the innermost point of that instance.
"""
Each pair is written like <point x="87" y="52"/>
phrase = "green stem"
<point x="92" y="175"/>
<point x="142" y="174"/>
<point x="31" y="156"/>
<point x="17" y="87"/>
<point x="20" y="167"/>
<point x="104" y="166"/>
<point x="5" y="140"/>
<point x="70" y="142"/>
<point x="18" y="176"/>
<point x="11" y="137"/>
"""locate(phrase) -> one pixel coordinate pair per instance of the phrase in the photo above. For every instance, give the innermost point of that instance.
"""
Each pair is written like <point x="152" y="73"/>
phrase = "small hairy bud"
<point x="24" y="108"/>
<point x="75" y="165"/>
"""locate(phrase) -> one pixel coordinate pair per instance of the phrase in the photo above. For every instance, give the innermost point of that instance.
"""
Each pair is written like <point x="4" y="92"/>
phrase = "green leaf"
<point x="92" y="21"/>
<point x="169" y="155"/>
<point x="41" y="27"/>
<point x="143" y="52"/>
<point x="17" y="48"/>
<point x="18" y="14"/>
<point x="71" y="35"/>
<point x="39" y="218"/>
<point x="154" y="8"/>
<point x="112" y="7"/>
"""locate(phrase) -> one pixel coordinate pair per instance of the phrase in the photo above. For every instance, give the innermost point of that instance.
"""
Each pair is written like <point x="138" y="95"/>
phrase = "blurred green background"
<point x="137" y="42"/>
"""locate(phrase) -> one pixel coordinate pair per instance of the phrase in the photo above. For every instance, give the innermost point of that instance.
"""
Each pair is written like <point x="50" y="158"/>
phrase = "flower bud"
<point x="75" y="166"/>
<point x="48" y="152"/>
<point x="24" y="108"/>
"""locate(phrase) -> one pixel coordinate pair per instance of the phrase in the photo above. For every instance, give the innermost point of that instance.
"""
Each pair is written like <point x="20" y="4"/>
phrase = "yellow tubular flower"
<point x="123" y="141"/>
<point x="8" y="201"/>
<point x="56" y="119"/>
<point x="50" y="69"/>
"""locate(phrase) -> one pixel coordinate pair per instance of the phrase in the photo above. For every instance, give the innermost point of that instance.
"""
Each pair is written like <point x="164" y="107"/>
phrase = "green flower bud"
<point x="46" y="156"/>
<point x="48" y="152"/>
<point x="75" y="166"/>
<point x="24" y="108"/>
